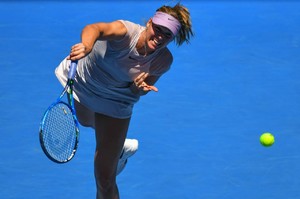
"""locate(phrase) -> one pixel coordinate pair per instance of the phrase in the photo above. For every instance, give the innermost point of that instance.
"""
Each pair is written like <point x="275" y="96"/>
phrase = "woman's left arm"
<point x="145" y="82"/>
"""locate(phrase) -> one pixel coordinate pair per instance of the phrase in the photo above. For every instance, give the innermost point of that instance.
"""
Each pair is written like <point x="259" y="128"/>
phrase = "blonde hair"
<point x="181" y="13"/>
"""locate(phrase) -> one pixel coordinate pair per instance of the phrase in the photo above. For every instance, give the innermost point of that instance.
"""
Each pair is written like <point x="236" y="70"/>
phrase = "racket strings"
<point x="60" y="133"/>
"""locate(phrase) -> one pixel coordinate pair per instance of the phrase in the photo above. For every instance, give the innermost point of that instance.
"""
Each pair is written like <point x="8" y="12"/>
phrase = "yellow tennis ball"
<point x="267" y="139"/>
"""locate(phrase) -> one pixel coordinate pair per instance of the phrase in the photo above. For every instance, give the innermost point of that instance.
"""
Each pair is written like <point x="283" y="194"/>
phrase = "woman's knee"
<point x="85" y="116"/>
<point x="105" y="184"/>
<point x="105" y="177"/>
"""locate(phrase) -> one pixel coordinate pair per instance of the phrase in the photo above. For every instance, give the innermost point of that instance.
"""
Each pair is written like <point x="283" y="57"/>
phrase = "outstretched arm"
<point x="143" y="84"/>
<point x="93" y="32"/>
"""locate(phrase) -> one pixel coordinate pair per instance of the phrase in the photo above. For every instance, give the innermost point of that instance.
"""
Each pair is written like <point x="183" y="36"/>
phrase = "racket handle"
<point x="72" y="71"/>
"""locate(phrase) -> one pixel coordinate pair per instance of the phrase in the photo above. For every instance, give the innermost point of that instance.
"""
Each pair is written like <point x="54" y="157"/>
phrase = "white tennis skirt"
<point x="98" y="96"/>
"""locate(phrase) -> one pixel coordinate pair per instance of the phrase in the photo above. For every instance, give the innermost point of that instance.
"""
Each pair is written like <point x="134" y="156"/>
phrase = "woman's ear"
<point x="149" y="22"/>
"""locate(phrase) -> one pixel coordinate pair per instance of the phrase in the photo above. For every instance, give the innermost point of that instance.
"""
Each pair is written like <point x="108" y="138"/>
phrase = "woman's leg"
<point x="85" y="116"/>
<point x="110" y="137"/>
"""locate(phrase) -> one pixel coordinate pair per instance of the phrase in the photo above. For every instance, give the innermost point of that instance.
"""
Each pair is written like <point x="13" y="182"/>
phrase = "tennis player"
<point x="119" y="62"/>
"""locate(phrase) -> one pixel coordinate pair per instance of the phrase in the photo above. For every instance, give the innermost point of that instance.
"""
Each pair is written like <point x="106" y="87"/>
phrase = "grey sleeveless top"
<point x="104" y="76"/>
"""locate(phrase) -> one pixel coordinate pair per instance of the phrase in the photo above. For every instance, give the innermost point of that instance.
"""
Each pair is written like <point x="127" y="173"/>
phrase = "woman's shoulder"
<point x="130" y="25"/>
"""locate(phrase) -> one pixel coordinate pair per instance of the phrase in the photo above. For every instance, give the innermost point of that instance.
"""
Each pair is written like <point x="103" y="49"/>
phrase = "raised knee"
<point x="85" y="116"/>
<point x="86" y="123"/>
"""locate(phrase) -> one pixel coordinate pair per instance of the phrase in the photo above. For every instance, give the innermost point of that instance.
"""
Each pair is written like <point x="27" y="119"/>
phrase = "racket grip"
<point x="72" y="71"/>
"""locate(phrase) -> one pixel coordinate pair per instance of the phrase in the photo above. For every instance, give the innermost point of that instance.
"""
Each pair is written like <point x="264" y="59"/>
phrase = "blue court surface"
<point x="199" y="135"/>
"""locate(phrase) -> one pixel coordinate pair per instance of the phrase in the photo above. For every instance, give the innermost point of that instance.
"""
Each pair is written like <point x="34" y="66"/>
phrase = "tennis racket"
<point x="59" y="127"/>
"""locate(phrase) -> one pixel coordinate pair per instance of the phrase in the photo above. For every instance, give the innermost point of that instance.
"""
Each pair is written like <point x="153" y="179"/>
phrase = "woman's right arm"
<point x="99" y="31"/>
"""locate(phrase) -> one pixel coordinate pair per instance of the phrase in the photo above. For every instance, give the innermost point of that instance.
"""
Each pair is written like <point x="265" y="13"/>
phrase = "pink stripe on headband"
<point x="168" y="21"/>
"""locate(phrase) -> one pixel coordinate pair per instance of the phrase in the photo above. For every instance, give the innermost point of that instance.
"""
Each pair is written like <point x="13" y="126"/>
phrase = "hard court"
<point x="198" y="136"/>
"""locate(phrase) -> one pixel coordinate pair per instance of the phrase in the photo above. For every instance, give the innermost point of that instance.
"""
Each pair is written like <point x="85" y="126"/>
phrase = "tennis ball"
<point x="267" y="139"/>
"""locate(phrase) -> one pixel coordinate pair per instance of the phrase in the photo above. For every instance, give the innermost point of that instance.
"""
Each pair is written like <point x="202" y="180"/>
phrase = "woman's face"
<point x="158" y="36"/>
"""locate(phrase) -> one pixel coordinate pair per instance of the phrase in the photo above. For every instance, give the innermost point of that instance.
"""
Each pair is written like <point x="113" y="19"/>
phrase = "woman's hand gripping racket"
<point x="59" y="128"/>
